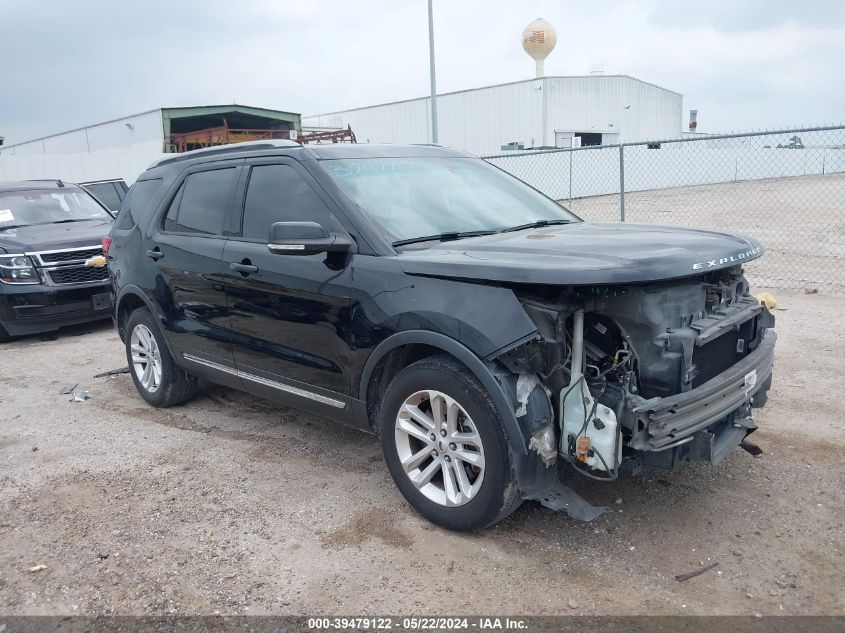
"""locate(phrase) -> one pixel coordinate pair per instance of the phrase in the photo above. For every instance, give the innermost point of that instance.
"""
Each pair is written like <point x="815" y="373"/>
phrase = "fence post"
<point x="621" y="183"/>
<point x="570" y="177"/>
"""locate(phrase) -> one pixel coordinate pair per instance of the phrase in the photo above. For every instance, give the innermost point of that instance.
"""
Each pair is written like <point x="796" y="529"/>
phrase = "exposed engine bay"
<point x="648" y="375"/>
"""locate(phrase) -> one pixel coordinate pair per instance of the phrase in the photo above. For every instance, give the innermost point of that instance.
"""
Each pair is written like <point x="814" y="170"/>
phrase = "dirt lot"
<point x="230" y="505"/>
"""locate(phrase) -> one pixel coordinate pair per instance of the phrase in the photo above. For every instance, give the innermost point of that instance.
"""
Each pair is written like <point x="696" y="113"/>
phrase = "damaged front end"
<point x="637" y="376"/>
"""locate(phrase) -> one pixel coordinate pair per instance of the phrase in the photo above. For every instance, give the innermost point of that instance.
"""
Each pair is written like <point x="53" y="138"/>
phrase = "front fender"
<point x="481" y="370"/>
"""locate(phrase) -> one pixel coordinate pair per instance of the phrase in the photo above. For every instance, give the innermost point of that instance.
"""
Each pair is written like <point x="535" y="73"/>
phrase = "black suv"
<point x="52" y="269"/>
<point x="491" y="338"/>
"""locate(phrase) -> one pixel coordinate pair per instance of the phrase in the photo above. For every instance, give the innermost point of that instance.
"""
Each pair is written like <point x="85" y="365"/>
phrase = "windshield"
<point x="26" y="208"/>
<point x="415" y="197"/>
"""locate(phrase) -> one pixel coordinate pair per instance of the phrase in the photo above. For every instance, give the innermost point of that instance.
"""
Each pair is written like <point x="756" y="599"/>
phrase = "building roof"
<point x="507" y="83"/>
<point x="169" y="115"/>
<point x="234" y="114"/>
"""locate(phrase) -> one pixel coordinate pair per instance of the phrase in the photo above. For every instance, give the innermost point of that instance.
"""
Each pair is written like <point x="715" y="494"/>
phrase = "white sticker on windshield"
<point x="6" y="215"/>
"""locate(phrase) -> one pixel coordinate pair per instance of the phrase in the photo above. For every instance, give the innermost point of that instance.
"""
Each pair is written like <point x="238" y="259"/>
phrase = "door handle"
<point x="245" y="269"/>
<point x="155" y="253"/>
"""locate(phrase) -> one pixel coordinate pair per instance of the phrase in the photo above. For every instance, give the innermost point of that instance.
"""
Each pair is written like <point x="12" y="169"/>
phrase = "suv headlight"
<point x="18" y="269"/>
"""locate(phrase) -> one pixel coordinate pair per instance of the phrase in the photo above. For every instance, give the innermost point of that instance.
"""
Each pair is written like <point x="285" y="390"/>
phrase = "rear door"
<point x="289" y="316"/>
<point x="185" y="249"/>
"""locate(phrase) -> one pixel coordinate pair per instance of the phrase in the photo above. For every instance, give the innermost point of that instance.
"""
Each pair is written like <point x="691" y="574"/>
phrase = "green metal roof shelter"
<point x="204" y="126"/>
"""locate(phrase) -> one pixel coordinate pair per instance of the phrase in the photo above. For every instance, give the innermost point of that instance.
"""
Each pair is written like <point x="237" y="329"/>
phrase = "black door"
<point x="185" y="250"/>
<point x="288" y="312"/>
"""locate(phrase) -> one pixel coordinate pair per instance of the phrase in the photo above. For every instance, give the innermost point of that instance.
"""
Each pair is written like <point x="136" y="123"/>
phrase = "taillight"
<point x="106" y="245"/>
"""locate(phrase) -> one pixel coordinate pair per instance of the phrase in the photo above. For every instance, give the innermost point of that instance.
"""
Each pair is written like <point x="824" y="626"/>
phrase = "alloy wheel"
<point x="439" y="448"/>
<point x="146" y="358"/>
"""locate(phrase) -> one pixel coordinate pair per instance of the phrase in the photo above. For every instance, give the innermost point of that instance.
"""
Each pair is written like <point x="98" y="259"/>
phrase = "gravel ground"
<point x="231" y="505"/>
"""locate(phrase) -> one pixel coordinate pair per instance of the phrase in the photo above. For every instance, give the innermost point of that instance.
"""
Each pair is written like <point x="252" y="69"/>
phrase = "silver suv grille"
<point x="78" y="275"/>
<point x="67" y="266"/>
<point x="74" y="256"/>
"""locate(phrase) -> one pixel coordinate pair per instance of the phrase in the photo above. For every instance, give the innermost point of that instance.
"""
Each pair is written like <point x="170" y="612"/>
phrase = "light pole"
<point x="431" y="70"/>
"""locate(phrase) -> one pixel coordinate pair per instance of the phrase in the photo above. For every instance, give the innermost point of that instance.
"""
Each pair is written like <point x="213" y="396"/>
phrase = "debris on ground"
<point x="572" y="604"/>
<point x="112" y="372"/>
<point x="751" y="448"/>
<point x="36" y="568"/>
<point x="811" y="291"/>
<point x="81" y="396"/>
<point x="69" y="388"/>
<point x="693" y="574"/>
<point x="767" y="300"/>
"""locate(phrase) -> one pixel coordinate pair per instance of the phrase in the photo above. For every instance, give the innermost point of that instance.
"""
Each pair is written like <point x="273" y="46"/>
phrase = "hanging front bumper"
<point x="662" y="422"/>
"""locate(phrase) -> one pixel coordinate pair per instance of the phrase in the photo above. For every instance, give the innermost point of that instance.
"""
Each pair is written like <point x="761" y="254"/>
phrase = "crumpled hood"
<point x="584" y="253"/>
<point x="45" y="237"/>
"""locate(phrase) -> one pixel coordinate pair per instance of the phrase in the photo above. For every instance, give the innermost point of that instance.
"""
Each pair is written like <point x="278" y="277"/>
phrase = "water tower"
<point x="538" y="40"/>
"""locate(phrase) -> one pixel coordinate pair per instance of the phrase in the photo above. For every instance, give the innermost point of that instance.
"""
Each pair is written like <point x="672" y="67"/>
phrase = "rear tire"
<point x="445" y="446"/>
<point x="157" y="378"/>
<point x="4" y="335"/>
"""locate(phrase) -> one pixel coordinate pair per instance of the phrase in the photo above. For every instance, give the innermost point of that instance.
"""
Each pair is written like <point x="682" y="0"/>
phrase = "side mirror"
<point x="306" y="238"/>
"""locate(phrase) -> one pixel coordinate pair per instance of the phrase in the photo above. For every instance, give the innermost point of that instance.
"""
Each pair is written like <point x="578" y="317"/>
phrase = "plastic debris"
<point x="36" y="568"/>
<point x="69" y="388"/>
<point x="112" y="372"/>
<point x="543" y="441"/>
<point x="767" y="300"/>
<point x="693" y="574"/>
<point x="524" y="386"/>
<point x="81" y="396"/>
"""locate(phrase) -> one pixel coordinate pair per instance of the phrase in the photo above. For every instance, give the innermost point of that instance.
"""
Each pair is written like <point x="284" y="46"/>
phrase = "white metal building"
<point x="125" y="147"/>
<point x="542" y="112"/>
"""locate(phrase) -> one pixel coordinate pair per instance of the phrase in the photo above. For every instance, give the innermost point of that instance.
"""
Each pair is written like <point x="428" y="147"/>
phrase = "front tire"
<point x="157" y="378"/>
<point x="445" y="446"/>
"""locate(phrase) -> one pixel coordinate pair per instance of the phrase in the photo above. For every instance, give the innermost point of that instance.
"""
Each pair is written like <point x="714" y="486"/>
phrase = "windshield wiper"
<point x="535" y="225"/>
<point x="442" y="237"/>
<point x="18" y="226"/>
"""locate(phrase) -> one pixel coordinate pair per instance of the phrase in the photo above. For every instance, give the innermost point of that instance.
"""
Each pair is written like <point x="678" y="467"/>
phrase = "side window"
<point x="202" y="203"/>
<point x="136" y="201"/>
<point x="278" y="193"/>
<point x="106" y="194"/>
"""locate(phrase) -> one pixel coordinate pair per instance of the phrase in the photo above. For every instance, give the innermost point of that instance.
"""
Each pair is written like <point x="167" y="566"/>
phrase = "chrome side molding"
<point x="266" y="382"/>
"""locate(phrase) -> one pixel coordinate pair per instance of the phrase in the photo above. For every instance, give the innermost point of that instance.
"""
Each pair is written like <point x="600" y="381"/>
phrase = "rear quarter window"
<point x="137" y="202"/>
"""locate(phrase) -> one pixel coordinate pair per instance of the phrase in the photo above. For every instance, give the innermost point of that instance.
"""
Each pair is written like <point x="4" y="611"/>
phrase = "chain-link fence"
<point x="786" y="188"/>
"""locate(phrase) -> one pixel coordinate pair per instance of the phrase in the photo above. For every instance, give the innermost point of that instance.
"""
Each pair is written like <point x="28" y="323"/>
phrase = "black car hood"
<point x="584" y="253"/>
<point x="45" y="237"/>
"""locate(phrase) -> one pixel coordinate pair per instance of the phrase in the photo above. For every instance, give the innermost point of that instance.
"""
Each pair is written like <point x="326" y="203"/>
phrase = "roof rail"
<point x="56" y="181"/>
<point x="223" y="149"/>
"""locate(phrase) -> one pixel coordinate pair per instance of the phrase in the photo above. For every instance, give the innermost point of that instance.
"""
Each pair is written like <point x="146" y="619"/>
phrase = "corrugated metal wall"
<point x="139" y="131"/>
<point x="106" y="164"/>
<point x="122" y="148"/>
<point x="621" y="105"/>
<point x="483" y="120"/>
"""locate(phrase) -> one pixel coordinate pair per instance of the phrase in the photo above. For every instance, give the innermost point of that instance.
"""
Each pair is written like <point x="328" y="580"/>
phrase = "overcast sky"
<point x="744" y="64"/>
